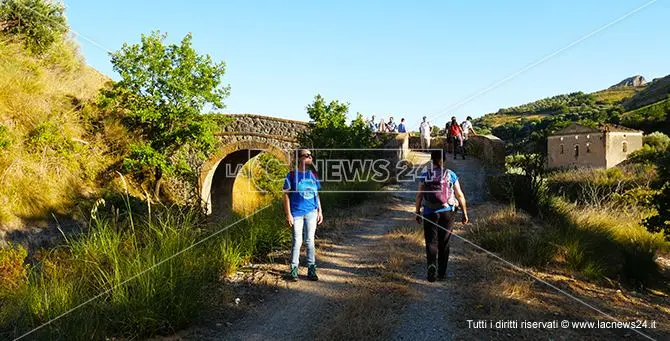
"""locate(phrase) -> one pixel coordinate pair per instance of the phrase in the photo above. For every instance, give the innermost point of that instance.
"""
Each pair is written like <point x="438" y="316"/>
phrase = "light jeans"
<point x="304" y="226"/>
<point x="425" y="142"/>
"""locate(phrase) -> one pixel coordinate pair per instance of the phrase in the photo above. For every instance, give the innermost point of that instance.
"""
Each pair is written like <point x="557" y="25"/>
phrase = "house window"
<point x="562" y="149"/>
<point x="576" y="151"/>
<point x="588" y="147"/>
<point x="625" y="147"/>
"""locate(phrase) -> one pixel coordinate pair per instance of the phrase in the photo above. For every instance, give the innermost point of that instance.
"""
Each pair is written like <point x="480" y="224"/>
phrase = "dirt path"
<point x="292" y="311"/>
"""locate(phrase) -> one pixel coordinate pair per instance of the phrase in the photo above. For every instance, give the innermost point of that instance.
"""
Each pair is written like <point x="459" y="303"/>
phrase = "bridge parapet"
<point x="488" y="148"/>
<point x="249" y="124"/>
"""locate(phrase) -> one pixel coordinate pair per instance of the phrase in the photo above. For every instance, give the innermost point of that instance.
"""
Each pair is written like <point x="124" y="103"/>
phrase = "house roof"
<point x="576" y="128"/>
<point x="617" y="128"/>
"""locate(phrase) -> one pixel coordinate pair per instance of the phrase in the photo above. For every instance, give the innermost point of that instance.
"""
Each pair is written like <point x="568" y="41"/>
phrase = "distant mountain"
<point x="656" y="91"/>
<point x="630" y="82"/>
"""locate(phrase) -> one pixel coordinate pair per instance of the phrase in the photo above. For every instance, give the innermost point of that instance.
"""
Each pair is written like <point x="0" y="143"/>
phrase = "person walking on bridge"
<point x="424" y="134"/>
<point x="302" y="207"/>
<point x="439" y="194"/>
<point x="467" y="129"/>
<point x="456" y="137"/>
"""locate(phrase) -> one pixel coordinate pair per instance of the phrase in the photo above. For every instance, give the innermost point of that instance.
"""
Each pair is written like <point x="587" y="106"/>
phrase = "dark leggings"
<point x="457" y="146"/>
<point x="437" y="238"/>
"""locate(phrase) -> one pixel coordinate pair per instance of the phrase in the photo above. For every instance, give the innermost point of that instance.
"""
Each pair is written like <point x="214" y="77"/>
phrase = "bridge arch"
<point x="218" y="174"/>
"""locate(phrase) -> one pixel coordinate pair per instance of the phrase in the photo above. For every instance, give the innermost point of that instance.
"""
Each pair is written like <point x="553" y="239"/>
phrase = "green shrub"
<point x="5" y="137"/>
<point x="657" y="140"/>
<point x="48" y="136"/>
<point x="655" y="145"/>
<point x="660" y="221"/>
<point x="40" y="22"/>
<point x="267" y="173"/>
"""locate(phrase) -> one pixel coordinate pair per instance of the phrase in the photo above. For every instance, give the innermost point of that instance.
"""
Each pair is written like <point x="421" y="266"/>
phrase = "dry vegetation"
<point x="49" y="160"/>
<point x="616" y="95"/>
<point x="498" y="292"/>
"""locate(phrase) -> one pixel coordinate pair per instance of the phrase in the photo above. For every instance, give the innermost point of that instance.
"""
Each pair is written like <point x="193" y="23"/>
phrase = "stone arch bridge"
<point x="249" y="135"/>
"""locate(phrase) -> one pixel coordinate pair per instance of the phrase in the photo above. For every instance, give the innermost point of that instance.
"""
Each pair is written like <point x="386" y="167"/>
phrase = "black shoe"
<point x="441" y="278"/>
<point x="431" y="273"/>
<point x="311" y="273"/>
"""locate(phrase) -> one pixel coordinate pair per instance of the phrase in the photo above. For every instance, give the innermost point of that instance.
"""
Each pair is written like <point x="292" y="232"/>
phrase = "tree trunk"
<point x="157" y="189"/>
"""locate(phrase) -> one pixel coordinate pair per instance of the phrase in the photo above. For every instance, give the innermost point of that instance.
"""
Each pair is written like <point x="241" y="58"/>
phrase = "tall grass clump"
<point x="514" y="235"/>
<point x="143" y="274"/>
<point x="608" y="241"/>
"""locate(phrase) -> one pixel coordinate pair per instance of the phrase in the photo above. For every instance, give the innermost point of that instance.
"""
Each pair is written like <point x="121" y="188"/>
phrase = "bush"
<point x="602" y="187"/>
<point x="329" y="129"/>
<point x="5" y="137"/>
<point x="655" y="144"/>
<point x="657" y="140"/>
<point x="48" y="135"/>
<point x="660" y="221"/>
<point x="40" y="22"/>
<point x="512" y="234"/>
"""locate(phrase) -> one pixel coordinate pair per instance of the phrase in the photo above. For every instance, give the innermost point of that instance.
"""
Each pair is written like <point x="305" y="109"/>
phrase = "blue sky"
<point x="392" y="57"/>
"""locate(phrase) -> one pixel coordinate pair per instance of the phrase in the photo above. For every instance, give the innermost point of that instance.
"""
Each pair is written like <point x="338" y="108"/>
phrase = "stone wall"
<point x="488" y="148"/>
<point x="576" y="150"/>
<point x="265" y="125"/>
<point x="615" y="143"/>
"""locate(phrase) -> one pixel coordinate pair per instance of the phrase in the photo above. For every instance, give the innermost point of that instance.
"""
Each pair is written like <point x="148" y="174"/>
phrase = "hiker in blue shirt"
<point x="440" y="195"/>
<point x="303" y="211"/>
<point x="401" y="126"/>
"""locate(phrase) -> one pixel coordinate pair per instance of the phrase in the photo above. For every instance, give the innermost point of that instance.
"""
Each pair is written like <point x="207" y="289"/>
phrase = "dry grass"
<point x="491" y="290"/>
<point x="614" y="96"/>
<point x="46" y="166"/>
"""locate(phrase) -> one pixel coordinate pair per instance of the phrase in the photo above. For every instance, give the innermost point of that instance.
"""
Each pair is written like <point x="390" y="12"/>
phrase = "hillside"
<point x="656" y="91"/>
<point x="641" y="107"/>
<point x="48" y="158"/>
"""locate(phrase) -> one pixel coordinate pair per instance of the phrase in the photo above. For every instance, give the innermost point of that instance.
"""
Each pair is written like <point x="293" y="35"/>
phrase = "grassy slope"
<point x="42" y="102"/>
<point x="616" y="96"/>
<point x="656" y="91"/>
<point x="630" y="98"/>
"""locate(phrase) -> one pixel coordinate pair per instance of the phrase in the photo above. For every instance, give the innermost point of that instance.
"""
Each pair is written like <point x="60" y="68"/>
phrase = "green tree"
<point x="329" y="130"/>
<point x="660" y="222"/>
<point x="331" y="115"/>
<point x="161" y="95"/>
<point x="40" y="22"/>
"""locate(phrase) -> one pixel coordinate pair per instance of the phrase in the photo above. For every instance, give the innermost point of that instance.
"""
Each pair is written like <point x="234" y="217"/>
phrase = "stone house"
<point x="578" y="146"/>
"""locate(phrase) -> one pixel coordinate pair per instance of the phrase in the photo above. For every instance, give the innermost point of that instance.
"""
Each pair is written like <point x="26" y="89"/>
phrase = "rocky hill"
<point x="634" y="81"/>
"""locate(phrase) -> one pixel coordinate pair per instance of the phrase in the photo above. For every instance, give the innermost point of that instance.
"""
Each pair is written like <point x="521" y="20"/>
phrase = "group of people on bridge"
<point x="387" y="127"/>
<point x="456" y="134"/>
